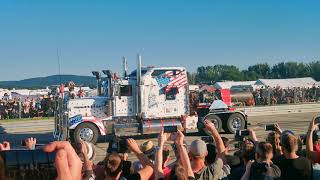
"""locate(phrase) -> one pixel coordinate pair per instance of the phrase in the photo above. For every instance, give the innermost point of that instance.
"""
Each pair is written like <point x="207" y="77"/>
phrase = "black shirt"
<point x="264" y="171"/>
<point x="135" y="176"/>
<point x="291" y="169"/>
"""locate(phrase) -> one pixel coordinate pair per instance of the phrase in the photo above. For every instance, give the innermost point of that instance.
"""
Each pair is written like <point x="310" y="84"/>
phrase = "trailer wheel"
<point x="86" y="132"/>
<point x="215" y="120"/>
<point x="235" y="122"/>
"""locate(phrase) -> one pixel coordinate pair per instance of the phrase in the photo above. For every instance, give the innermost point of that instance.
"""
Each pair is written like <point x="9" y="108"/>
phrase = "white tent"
<point x="287" y="83"/>
<point x="229" y="84"/>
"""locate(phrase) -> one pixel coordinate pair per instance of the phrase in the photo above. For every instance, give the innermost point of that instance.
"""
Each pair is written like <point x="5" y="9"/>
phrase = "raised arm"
<point x="87" y="164"/>
<point x="278" y="129"/>
<point x="253" y="136"/>
<point x="159" y="155"/>
<point x="216" y="136"/>
<point x="309" y="144"/>
<point x="246" y="175"/>
<point x="184" y="158"/>
<point x="133" y="146"/>
<point x="147" y="170"/>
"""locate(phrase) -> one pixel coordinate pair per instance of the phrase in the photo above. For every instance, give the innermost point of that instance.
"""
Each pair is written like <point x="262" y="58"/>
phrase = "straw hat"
<point x="147" y="148"/>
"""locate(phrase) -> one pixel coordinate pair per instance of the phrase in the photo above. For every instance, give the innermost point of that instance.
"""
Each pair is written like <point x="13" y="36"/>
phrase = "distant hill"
<point x="42" y="82"/>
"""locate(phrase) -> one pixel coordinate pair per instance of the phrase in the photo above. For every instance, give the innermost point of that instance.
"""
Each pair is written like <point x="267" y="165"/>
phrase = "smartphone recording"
<point x="170" y="129"/>
<point x="270" y="127"/>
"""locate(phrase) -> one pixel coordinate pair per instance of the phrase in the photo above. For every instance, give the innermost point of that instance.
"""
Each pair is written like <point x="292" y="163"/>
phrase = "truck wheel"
<point x="215" y="120"/>
<point x="86" y="132"/>
<point x="235" y="122"/>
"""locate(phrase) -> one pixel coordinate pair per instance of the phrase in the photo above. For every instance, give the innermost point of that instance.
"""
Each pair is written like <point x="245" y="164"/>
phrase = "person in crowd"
<point x="9" y="109"/>
<point x="274" y="139"/>
<point x="26" y="108"/>
<point x="87" y="164"/>
<point x="148" y="149"/>
<point x="312" y="152"/>
<point x="2" y="109"/>
<point x="232" y="160"/>
<point x="165" y="162"/>
<point x="262" y="168"/>
<point x="72" y="94"/>
<point x="245" y="154"/>
<point x="312" y="147"/>
<point x="81" y="93"/>
<point x="291" y="165"/>
<point x="33" y="111"/>
<point x="144" y="173"/>
<point x="182" y="168"/>
<point x="6" y="97"/>
<point x="198" y="151"/>
<point x="16" y="108"/>
<point x="116" y="166"/>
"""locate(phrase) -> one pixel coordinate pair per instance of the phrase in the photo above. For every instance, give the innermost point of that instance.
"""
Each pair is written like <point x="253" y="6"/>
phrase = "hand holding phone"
<point x="207" y="139"/>
<point x="317" y="120"/>
<point x="170" y="129"/>
<point x="270" y="127"/>
<point x="240" y="134"/>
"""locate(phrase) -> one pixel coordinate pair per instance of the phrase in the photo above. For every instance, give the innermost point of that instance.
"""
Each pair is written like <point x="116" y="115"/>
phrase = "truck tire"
<point x="215" y="120"/>
<point x="235" y="122"/>
<point x="86" y="132"/>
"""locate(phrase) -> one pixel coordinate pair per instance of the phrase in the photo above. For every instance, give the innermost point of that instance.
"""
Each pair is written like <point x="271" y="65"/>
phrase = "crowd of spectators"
<point x="278" y="95"/>
<point x="40" y="106"/>
<point x="33" y="106"/>
<point x="281" y="156"/>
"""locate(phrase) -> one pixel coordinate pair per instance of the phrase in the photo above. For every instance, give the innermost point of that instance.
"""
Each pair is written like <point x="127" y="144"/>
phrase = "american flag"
<point x="170" y="79"/>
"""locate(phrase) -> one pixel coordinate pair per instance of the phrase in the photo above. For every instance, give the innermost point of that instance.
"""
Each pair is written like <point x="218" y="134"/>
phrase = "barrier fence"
<point x="282" y="109"/>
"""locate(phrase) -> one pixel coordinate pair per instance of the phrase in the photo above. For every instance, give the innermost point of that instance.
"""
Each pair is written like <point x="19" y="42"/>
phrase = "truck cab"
<point x="139" y="103"/>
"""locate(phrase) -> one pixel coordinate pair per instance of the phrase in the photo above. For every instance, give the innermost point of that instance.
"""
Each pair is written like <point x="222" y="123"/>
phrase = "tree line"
<point x="212" y="74"/>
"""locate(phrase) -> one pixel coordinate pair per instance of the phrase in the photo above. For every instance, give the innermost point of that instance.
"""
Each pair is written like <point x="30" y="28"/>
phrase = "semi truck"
<point x="140" y="103"/>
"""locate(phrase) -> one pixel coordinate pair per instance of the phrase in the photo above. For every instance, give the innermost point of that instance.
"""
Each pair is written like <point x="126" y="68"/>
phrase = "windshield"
<point x="134" y="73"/>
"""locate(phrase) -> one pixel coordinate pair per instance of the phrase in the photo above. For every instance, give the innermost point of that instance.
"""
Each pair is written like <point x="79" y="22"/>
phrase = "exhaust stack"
<point x="98" y="77"/>
<point x="110" y="92"/>
<point x="138" y="105"/>
<point x="125" y="67"/>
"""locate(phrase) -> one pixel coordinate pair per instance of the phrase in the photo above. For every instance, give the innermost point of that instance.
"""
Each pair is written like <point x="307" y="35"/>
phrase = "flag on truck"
<point x="172" y="79"/>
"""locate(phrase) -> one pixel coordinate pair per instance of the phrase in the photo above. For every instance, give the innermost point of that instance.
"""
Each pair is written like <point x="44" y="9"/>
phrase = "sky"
<point x="88" y="35"/>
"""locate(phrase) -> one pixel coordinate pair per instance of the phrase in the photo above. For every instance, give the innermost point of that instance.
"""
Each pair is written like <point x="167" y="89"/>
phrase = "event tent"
<point x="229" y="84"/>
<point x="287" y="83"/>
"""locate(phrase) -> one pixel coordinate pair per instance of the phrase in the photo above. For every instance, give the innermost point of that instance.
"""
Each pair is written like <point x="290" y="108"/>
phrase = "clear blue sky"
<point x="96" y="34"/>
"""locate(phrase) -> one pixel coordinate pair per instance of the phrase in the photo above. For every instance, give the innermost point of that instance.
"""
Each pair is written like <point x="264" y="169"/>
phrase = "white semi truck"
<point x="139" y="103"/>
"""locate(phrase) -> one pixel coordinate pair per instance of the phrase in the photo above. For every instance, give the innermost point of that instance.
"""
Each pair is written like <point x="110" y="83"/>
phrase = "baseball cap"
<point x="198" y="148"/>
